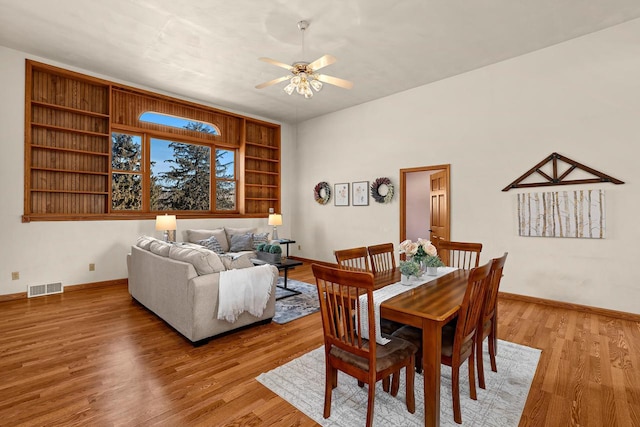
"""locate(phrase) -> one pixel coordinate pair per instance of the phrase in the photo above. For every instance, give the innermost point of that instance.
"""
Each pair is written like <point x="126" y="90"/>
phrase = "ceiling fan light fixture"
<point x="290" y="88"/>
<point x="303" y="76"/>
<point x="316" y="84"/>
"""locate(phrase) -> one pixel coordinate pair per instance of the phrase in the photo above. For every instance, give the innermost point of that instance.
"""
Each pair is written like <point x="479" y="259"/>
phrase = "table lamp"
<point x="275" y="220"/>
<point x="167" y="223"/>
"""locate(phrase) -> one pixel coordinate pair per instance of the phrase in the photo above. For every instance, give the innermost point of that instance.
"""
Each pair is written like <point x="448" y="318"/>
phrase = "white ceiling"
<point x="208" y="49"/>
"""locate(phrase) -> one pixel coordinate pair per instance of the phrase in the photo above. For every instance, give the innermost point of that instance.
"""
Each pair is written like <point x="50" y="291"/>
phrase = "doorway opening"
<point x="424" y="203"/>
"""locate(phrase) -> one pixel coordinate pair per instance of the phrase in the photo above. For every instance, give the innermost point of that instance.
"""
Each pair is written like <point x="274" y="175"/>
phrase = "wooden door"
<point x="439" y="197"/>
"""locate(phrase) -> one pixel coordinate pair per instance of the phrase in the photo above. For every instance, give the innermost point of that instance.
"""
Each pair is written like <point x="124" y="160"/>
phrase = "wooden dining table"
<point x="429" y="307"/>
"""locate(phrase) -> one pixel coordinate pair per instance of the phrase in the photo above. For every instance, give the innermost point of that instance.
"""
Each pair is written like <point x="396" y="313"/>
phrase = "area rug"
<point x="296" y="306"/>
<point x="301" y="383"/>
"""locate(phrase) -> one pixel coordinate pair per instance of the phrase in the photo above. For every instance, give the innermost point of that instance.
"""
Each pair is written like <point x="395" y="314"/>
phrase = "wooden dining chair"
<point x="458" y="336"/>
<point x="354" y="259"/>
<point x="488" y="323"/>
<point x="382" y="257"/>
<point x="357" y="259"/>
<point x="345" y="349"/>
<point x="463" y="255"/>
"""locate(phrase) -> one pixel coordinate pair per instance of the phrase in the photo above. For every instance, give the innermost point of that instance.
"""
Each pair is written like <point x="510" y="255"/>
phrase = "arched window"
<point x="178" y="122"/>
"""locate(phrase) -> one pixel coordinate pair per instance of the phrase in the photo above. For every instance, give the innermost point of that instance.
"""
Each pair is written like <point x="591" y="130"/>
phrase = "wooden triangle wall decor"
<point x="560" y="180"/>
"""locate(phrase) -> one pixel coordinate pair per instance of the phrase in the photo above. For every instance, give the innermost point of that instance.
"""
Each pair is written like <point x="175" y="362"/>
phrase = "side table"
<point x="285" y="265"/>
<point x="286" y="242"/>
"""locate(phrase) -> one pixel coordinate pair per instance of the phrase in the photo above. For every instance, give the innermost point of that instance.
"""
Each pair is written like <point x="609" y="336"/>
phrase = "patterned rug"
<point x="301" y="383"/>
<point x="296" y="306"/>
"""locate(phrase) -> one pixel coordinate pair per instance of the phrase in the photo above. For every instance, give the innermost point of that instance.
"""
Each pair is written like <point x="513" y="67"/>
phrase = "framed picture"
<point x="360" y="193"/>
<point x="341" y="192"/>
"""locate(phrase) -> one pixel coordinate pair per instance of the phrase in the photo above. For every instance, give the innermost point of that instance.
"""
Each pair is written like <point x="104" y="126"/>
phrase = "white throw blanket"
<point x="244" y="289"/>
<point x="386" y="293"/>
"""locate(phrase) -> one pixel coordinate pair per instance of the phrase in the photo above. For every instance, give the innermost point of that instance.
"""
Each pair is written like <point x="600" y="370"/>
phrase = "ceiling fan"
<point x="304" y="75"/>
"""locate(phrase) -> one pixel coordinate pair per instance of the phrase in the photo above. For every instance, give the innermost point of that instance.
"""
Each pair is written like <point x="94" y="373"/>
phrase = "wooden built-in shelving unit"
<point x="69" y="119"/>
<point x="68" y="143"/>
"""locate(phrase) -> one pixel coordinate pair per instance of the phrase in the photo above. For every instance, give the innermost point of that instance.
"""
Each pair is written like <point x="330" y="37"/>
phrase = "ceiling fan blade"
<point x="322" y="62"/>
<point x="335" y="81"/>
<point x="277" y="63"/>
<point x="272" y="82"/>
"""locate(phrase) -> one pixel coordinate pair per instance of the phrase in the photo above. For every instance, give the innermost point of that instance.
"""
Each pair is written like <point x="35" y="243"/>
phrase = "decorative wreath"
<point x="375" y="193"/>
<point x="318" y="190"/>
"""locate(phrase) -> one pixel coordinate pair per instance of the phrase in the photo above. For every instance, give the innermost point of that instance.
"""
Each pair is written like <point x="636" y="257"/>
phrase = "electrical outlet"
<point x="299" y="247"/>
<point x="15" y="275"/>
<point x="92" y="267"/>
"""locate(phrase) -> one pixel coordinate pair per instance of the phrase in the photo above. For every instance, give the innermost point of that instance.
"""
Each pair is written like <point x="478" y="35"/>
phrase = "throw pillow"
<point x="212" y="244"/>
<point x="259" y="238"/>
<point x="202" y="259"/>
<point x="241" y="242"/>
<point x="231" y="231"/>
<point x="242" y="261"/>
<point x="194" y="236"/>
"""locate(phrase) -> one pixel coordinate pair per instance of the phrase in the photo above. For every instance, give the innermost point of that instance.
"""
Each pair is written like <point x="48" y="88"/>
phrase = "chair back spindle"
<point x="382" y="257"/>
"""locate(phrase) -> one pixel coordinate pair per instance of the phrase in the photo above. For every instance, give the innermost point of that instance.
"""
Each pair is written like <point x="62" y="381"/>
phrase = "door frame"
<point x="403" y="197"/>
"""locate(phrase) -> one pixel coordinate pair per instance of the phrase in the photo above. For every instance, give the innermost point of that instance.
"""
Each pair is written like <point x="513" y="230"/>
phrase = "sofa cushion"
<point x="159" y="247"/>
<point x="231" y="231"/>
<point x="194" y="236"/>
<point x="259" y="238"/>
<point x="212" y="244"/>
<point x="202" y="259"/>
<point x="144" y="242"/>
<point x="241" y="242"/>
<point x="232" y="262"/>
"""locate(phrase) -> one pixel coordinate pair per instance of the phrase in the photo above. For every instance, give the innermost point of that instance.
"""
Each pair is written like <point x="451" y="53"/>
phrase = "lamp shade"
<point x="275" y="219"/>
<point x="166" y="222"/>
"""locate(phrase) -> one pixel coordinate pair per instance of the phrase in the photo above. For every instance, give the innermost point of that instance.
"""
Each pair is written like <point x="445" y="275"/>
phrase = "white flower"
<point x="430" y="249"/>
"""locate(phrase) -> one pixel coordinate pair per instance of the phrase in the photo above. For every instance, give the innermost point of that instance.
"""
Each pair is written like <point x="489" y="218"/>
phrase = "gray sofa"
<point x="180" y="283"/>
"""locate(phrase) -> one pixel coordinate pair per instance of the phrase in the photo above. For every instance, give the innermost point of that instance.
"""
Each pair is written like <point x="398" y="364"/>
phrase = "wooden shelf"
<point x="256" y="144"/>
<point x="261" y="185"/>
<point x="261" y="172"/>
<point x="262" y="159"/>
<point x="70" y="109"/>
<point x="69" y="150"/>
<point x="41" y="190"/>
<point x="60" y="128"/>
<point x="69" y="171"/>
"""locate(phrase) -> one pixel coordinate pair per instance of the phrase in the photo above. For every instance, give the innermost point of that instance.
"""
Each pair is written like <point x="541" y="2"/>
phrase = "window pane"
<point x="126" y="152"/>
<point x="225" y="195"/>
<point x="178" y="122"/>
<point x="180" y="176"/>
<point x="126" y="192"/>
<point x="225" y="164"/>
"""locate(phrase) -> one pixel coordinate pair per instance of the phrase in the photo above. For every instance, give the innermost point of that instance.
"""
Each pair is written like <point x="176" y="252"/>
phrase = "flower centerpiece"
<point x="422" y="253"/>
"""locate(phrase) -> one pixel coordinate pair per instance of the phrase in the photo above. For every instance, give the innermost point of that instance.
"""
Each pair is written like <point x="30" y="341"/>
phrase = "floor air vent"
<point x="47" y="289"/>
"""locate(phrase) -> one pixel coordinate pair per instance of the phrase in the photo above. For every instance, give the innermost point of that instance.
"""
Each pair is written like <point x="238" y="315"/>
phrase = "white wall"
<point x="44" y="252"/>
<point x="580" y="98"/>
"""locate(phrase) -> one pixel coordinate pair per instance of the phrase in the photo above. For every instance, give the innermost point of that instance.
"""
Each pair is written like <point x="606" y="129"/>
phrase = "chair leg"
<point x="360" y="384"/>
<point x="472" y="378"/>
<point x="328" y="387"/>
<point x="395" y="383"/>
<point x="410" y="371"/>
<point x="480" y="365"/>
<point x="455" y="394"/>
<point x="370" y="403"/>
<point x="493" y="350"/>
<point x="419" y="361"/>
<point x="386" y="384"/>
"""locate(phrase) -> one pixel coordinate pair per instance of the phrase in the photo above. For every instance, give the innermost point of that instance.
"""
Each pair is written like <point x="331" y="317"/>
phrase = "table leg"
<point x="285" y="277"/>
<point x="292" y="292"/>
<point x="431" y="350"/>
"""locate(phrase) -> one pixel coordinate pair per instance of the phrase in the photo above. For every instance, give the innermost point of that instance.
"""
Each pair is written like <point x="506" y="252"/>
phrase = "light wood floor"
<point x="95" y="357"/>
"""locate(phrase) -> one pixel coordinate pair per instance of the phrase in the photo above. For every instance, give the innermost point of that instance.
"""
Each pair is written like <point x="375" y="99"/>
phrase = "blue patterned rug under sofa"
<point x="296" y="306"/>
